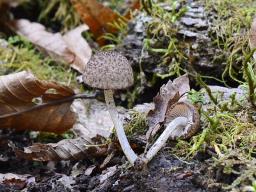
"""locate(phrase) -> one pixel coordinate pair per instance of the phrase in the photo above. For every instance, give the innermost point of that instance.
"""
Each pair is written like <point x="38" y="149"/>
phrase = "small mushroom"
<point x="182" y="120"/>
<point x="111" y="71"/>
<point x="252" y="37"/>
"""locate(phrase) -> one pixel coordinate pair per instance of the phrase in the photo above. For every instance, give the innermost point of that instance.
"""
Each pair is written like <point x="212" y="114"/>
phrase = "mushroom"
<point x="252" y="37"/>
<point x="110" y="71"/>
<point x="182" y="120"/>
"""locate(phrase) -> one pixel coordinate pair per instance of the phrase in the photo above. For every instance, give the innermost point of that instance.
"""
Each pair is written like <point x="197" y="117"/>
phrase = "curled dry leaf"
<point x="18" y="92"/>
<point x="71" y="48"/>
<point x="67" y="149"/>
<point x="136" y="5"/>
<point x="16" y="181"/>
<point x="106" y="174"/>
<point x="168" y="95"/>
<point x="96" y="16"/>
<point x="99" y="17"/>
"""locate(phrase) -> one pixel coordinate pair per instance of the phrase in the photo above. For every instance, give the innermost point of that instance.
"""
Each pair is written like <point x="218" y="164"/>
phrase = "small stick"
<point x="55" y="102"/>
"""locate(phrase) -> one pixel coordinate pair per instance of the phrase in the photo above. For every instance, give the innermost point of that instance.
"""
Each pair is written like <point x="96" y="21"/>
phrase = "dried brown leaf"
<point x="96" y="16"/>
<point x="67" y="149"/>
<point x="77" y="44"/>
<point x="18" y="92"/>
<point x="71" y="48"/>
<point x="106" y="174"/>
<point x="16" y="181"/>
<point x="99" y="17"/>
<point x="168" y="95"/>
<point x="93" y="122"/>
<point x="136" y="5"/>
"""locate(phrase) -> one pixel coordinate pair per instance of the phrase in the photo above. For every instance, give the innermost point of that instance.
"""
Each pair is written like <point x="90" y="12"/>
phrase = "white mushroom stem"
<point x="160" y="142"/>
<point x="131" y="156"/>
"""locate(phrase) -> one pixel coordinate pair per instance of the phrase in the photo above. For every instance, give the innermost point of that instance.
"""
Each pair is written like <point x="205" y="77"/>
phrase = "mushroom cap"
<point x="183" y="109"/>
<point x="108" y="70"/>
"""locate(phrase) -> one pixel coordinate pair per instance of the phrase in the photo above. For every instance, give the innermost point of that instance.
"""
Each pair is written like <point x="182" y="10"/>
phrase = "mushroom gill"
<point x="183" y="109"/>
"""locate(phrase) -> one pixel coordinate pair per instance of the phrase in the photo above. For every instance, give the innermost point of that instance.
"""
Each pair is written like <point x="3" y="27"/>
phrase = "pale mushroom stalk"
<point x="161" y="141"/>
<point x="131" y="156"/>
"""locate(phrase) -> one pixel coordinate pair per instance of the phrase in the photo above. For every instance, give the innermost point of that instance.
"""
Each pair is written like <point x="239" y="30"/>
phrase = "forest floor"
<point x="207" y="39"/>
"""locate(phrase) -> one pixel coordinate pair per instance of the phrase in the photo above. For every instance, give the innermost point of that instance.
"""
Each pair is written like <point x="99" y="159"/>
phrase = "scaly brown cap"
<point x="108" y="70"/>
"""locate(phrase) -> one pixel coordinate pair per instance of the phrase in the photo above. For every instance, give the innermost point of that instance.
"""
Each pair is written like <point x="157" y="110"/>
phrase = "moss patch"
<point x="20" y="55"/>
<point x="229" y="31"/>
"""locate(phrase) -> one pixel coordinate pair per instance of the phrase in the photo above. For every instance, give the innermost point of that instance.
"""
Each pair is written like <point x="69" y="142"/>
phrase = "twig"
<point x="55" y="102"/>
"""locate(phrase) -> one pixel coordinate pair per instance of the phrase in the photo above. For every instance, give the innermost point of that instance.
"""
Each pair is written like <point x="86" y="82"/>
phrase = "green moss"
<point x="230" y="132"/>
<point x="196" y="97"/>
<point x="117" y="38"/>
<point x="235" y="162"/>
<point x="46" y="137"/>
<point x="161" y="36"/>
<point x="57" y="14"/>
<point x="229" y="32"/>
<point x="23" y="56"/>
<point x="137" y="125"/>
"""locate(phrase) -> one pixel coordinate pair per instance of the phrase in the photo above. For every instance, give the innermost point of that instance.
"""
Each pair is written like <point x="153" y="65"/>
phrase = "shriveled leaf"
<point x="67" y="149"/>
<point x="169" y="94"/>
<point x="136" y="5"/>
<point x="70" y="48"/>
<point x="96" y="16"/>
<point x="18" y="92"/>
<point x="93" y="122"/>
<point x="16" y="181"/>
<point x="106" y="174"/>
<point x="100" y="18"/>
<point x="77" y="44"/>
